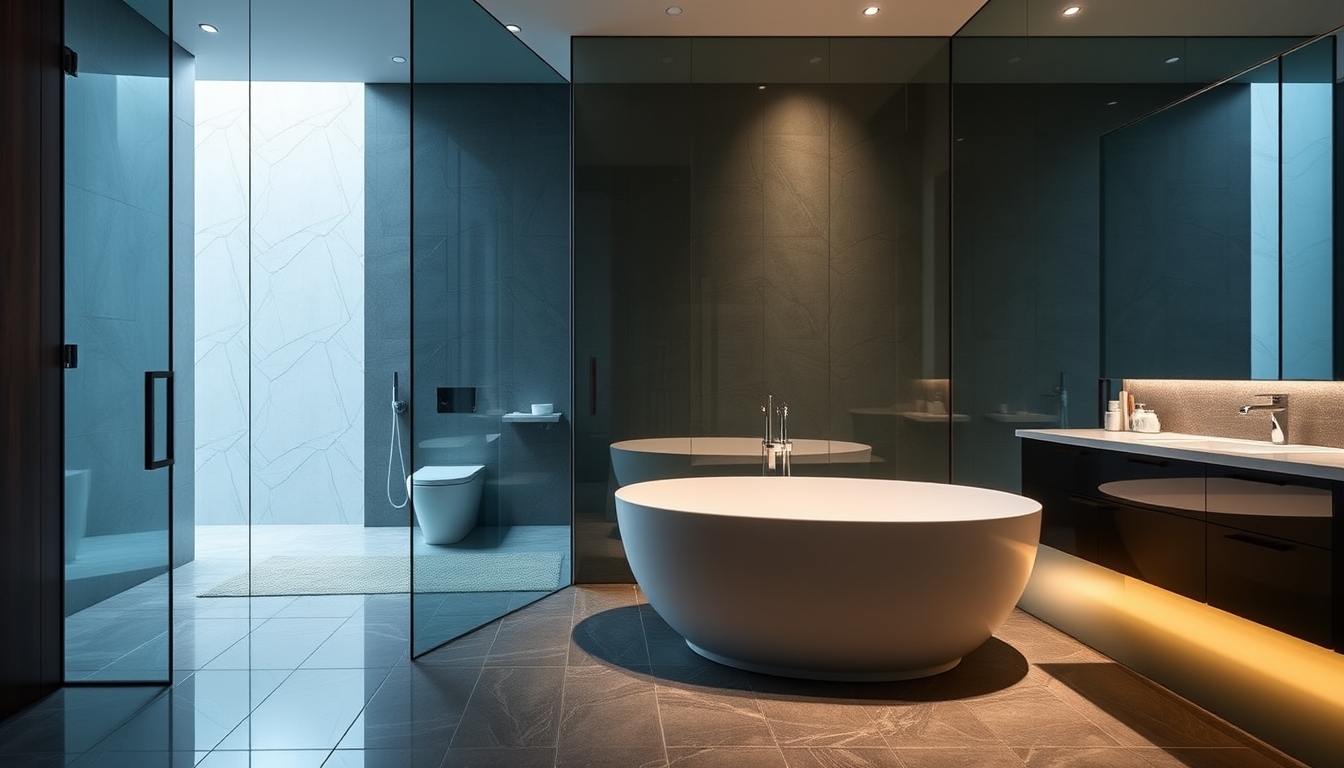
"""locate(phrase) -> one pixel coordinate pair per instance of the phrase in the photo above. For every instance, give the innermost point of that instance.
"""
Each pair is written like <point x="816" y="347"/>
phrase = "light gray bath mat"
<point x="380" y="574"/>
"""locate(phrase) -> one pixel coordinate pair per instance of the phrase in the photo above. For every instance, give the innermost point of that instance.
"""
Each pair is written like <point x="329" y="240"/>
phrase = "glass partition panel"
<point x="118" y="387"/>
<point x="1308" y="182"/>
<point x="1029" y="113"/>
<point x="1177" y="204"/>
<point x="488" y="338"/>
<point x="758" y="223"/>
<point x="1218" y="229"/>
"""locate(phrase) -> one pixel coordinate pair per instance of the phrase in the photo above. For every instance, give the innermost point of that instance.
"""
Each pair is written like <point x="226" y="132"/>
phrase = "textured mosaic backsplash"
<point x="1315" y="415"/>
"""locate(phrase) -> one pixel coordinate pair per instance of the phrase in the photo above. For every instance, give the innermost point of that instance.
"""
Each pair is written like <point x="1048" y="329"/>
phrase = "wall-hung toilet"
<point x="446" y="500"/>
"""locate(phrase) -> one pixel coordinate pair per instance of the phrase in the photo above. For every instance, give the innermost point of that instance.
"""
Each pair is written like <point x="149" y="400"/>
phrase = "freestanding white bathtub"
<point x="829" y="578"/>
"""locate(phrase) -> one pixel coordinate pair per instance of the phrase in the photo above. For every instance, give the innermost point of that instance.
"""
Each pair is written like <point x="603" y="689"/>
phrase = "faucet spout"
<point x="1277" y="407"/>
<point x="776" y="448"/>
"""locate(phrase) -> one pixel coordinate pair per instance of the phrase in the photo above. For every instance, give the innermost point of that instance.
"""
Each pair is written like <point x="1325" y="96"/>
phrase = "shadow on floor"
<point x="992" y="667"/>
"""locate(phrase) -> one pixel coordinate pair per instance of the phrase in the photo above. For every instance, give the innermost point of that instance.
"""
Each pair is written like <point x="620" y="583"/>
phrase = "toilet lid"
<point x="446" y="475"/>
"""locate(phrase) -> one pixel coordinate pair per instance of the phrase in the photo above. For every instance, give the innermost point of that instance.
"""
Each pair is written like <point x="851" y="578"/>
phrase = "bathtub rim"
<point x="822" y="490"/>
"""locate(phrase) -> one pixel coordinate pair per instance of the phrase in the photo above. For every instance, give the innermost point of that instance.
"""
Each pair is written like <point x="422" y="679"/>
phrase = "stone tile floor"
<point x="591" y="676"/>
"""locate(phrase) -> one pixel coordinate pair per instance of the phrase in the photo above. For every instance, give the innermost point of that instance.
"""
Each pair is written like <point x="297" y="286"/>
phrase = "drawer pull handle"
<point x="1256" y="541"/>
<point x="1261" y="480"/>
<point x="1069" y="450"/>
<point x="1148" y="462"/>
<point x="1091" y="502"/>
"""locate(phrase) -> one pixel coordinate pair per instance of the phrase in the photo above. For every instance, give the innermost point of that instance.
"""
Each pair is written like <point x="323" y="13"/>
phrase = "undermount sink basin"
<point x="1236" y="446"/>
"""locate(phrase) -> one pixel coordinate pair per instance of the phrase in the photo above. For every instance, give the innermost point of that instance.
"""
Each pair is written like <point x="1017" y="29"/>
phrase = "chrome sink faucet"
<point x="776" y="447"/>
<point x="1278" y="416"/>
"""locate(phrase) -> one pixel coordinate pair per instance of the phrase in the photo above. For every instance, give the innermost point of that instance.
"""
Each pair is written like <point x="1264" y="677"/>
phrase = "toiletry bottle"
<point x="1124" y="411"/>
<point x="1145" y="420"/>
<point x="1113" y="416"/>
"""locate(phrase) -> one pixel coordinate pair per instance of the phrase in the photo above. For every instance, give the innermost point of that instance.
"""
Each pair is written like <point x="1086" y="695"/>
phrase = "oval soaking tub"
<point x="829" y="578"/>
<point x="660" y="458"/>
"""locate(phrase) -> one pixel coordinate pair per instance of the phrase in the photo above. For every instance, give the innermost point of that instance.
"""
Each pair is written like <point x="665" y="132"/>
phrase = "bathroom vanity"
<point x="1246" y="527"/>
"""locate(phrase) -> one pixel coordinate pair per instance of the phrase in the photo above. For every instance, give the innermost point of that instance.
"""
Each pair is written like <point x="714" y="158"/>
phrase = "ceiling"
<point x="463" y="40"/>
<point x="548" y="25"/>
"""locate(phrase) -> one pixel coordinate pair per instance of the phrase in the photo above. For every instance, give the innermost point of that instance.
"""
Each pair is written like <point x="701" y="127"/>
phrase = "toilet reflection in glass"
<point x="446" y="501"/>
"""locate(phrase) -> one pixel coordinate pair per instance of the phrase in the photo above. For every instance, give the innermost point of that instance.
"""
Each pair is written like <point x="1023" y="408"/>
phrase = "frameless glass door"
<point x="119" y="383"/>
<point x="488" y="127"/>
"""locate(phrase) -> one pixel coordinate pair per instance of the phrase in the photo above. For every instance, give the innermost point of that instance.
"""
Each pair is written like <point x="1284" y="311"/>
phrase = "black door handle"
<point x="151" y="461"/>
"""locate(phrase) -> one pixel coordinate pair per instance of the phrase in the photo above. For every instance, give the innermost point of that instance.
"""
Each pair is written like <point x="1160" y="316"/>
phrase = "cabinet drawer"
<point x="1282" y="506"/>
<point x="1068" y="522"/>
<point x="1278" y="583"/>
<point x="1169" y="485"/>
<point x="1162" y="549"/>
<point x="1056" y="465"/>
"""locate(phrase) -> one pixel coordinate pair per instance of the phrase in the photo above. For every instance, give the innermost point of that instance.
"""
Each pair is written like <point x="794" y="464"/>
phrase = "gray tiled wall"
<point x="491" y="286"/>
<point x="1026" y="261"/>
<point x="733" y="241"/>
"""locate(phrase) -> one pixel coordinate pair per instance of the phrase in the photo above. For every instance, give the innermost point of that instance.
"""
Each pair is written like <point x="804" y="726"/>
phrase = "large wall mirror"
<point x="1217" y="229"/>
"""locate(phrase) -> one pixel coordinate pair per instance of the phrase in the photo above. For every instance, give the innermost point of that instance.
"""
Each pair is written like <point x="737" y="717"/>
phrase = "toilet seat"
<point x="446" y="475"/>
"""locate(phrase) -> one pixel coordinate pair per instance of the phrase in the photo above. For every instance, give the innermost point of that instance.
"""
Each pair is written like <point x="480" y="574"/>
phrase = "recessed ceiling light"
<point x="514" y="28"/>
<point x="211" y="28"/>
<point x="1112" y="103"/>
<point x="1015" y="59"/>
<point x="871" y="10"/>
<point x="1072" y="10"/>
<point x="1173" y="59"/>
<point x="674" y="10"/>
<point x="760" y="87"/>
<point x="814" y="60"/>
<point x="399" y="59"/>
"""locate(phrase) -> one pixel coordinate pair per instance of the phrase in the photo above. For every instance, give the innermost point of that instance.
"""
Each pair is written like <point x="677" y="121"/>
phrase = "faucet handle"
<point x="1276" y="399"/>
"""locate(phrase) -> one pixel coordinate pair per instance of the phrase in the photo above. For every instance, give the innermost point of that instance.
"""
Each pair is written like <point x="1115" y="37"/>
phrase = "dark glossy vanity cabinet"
<point x="1254" y="543"/>
<point x="1269" y="550"/>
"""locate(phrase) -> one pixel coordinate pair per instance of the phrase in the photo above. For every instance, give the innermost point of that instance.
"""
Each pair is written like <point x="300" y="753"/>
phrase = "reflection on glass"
<point x="1309" y="205"/>
<point x="116" y="303"/>
<point x="486" y="124"/>
<point x="1217" y="230"/>
<point x="756" y="218"/>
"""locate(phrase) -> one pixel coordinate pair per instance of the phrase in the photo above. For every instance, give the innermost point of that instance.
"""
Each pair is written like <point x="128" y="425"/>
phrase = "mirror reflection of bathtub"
<point x="662" y="458"/>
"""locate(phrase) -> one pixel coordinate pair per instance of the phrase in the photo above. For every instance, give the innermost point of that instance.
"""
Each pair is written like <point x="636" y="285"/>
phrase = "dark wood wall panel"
<point x="30" y="336"/>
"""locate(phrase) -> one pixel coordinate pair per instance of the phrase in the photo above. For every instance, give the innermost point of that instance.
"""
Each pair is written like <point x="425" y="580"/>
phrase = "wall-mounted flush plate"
<point x="456" y="400"/>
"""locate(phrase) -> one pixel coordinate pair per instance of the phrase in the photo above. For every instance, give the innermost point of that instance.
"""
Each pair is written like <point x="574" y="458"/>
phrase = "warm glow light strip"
<point x="1282" y="689"/>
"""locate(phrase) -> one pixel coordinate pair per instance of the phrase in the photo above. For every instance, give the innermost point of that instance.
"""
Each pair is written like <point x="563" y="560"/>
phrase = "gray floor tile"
<point x="1179" y="757"/>
<point x="834" y="757"/>
<point x="706" y="715"/>
<point x="416" y="707"/>
<point x="500" y="757"/>
<point x="812" y="723"/>
<point x="933" y="724"/>
<point x="1133" y="711"/>
<point x="384" y="758"/>
<point x="608" y="707"/>
<point x="647" y="756"/>
<point x="1034" y="717"/>
<point x="614" y="636"/>
<point x="726" y="757"/>
<point x="972" y="757"/>
<point x="528" y="639"/>
<point x="513" y="707"/>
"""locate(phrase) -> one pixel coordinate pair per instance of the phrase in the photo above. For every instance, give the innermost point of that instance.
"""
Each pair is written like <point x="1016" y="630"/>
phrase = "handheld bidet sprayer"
<point x="398" y="407"/>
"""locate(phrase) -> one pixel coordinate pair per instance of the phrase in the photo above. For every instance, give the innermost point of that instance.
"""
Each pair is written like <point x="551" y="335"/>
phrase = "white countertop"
<point x="1305" y="461"/>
